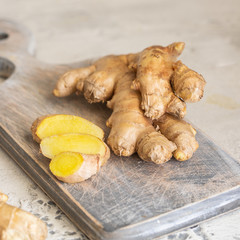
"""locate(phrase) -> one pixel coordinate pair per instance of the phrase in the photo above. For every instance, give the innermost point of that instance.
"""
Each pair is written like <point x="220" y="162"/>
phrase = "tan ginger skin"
<point x="18" y="224"/>
<point x="96" y="82"/>
<point x="179" y="132"/>
<point x="186" y="83"/>
<point x="154" y="69"/>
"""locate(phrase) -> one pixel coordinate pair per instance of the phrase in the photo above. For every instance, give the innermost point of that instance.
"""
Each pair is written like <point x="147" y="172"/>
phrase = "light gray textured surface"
<point x="67" y="31"/>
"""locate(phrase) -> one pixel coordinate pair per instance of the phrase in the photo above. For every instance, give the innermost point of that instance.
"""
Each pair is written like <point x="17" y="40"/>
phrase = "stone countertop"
<point x="68" y="31"/>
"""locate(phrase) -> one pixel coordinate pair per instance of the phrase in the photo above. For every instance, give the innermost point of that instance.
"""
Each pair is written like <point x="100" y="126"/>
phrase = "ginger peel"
<point x="153" y="72"/>
<point x="181" y="133"/>
<point x="68" y="82"/>
<point x="186" y="83"/>
<point x="98" y="84"/>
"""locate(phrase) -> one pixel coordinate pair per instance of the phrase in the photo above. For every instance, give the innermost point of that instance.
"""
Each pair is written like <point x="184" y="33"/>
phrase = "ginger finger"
<point x="131" y="131"/>
<point x="176" y="107"/>
<point x="96" y="82"/>
<point x="18" y="224"/>
<point x="99" y="86"/>
<point x="73" y="167"/>
<point x="186" y="83"/>
<point x="74" y="142"/>
<point x="49" y="125"/>
<point x="66" y="85"/>
<point x="154" y="69"/>
<point x="179" y="132"/>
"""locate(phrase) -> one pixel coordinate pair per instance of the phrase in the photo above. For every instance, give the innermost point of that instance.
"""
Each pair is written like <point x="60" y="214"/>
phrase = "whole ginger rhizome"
<point x="145" y="89"/>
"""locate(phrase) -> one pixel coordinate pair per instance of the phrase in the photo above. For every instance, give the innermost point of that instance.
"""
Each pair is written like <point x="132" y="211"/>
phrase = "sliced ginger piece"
<point x="74" y="142"/>
<point x="49" y="125"/>
<point x="73" y="167"/>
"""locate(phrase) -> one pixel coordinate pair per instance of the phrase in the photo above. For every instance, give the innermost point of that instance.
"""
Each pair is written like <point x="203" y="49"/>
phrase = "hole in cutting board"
<point x="3" y="36"/>
<point x="6" y="69"/>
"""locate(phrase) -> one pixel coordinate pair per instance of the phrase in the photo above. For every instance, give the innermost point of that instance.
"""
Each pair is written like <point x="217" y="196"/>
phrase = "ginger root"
<point x="179" y="132"/>
<point x="98" y="84"/>
<point x="16" y="224"/>
<point x="186" y="83"/>
<point x="49" y="125"/>
<point x="74" y="142"/>
<point x="131" y="131"/>
<point x="73" y="167"/>
<point x="68" y="82"/>
<point x="154" y="70"/>
<point x="164" y="85"/>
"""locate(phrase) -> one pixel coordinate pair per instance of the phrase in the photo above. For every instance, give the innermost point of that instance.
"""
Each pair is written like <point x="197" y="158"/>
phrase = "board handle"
<point x="15" y="38"/>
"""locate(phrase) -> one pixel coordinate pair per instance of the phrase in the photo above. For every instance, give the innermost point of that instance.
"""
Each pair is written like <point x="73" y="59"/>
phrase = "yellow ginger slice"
<point x="74" y="142"/>
<point x="49" y="125"/>
<point x="73" y="167"/>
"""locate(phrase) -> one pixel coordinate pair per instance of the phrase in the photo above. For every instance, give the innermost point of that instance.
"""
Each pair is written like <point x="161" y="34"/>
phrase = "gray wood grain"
<point x="128" y="198"/>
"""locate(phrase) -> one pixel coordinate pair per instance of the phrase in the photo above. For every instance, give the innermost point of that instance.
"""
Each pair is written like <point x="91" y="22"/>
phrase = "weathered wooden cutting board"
<point x="129" y="198"/>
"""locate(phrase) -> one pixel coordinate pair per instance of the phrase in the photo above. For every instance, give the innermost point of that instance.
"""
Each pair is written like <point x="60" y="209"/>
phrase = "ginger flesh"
<point x="74" y="142"/>
<point x="66" y="163"/>
<point x="16" y="224"/>
<point x="49" y="125"/>
<point x="73" y="167"/>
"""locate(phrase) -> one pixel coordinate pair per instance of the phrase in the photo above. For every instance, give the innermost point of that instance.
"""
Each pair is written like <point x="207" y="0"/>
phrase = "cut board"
<point x="128" y="198"/>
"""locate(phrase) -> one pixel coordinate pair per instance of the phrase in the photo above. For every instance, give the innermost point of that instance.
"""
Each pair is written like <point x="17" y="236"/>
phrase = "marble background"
<point x="68" y="31"/>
